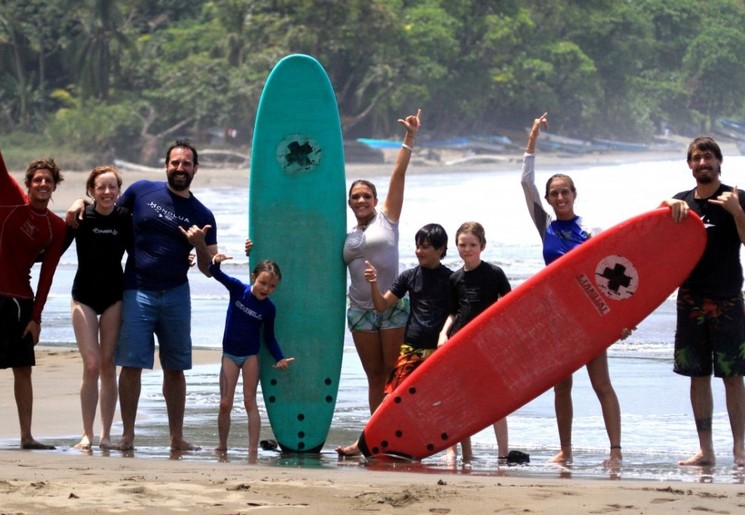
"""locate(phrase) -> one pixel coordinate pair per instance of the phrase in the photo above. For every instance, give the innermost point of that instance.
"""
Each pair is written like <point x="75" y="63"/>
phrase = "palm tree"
<point x="98" y="49"/>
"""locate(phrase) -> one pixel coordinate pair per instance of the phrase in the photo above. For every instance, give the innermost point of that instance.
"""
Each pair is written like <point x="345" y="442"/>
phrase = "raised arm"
<point x="11" y="193"/>
<point x="535" y="131"/>
<point x="540" y="217"/>
<point x="394" y="200"/>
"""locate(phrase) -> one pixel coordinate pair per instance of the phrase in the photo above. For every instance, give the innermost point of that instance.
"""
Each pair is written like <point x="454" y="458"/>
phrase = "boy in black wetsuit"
<point x="427" y="286"/>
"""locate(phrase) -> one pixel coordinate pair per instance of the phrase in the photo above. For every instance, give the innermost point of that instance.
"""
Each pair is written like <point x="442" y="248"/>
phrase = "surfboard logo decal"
<point x="617" y="277"/>
<point x="298" y="154"/>
<point x="593" y="295"/>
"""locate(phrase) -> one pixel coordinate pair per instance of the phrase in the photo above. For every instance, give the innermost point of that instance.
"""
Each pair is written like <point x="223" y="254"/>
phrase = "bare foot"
<point x="84" y="444"/>
<point x="563" y="457"/>
<point x="451" y="456"/>
<point x="106" y="444"/>
<point x="739" y="458"/>
<point x="700" y="459"/>
<point x="613" y="462"/>
<point x="35" y="445"/>
<point x="349" y="450"/>
<point x="615" y="459"/>
<point x="125" y="444"/>
<point x="183" y="445"/>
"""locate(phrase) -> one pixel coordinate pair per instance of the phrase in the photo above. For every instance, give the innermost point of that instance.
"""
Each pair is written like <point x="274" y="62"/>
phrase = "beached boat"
<point x="556" y="143"/>
<point x="380" y="143"/>
<point x="491" y="144"/>
<point x="621" y="146"/>
<point x="126" y="166"/>
<point x="738" y="127"/>
<point x="740" y="146"/>
<point x="554" y="146"/>
<point x="220" y="158"/>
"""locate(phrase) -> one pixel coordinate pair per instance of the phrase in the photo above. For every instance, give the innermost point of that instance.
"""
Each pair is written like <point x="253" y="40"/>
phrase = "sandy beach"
<point x="68" y="480"/>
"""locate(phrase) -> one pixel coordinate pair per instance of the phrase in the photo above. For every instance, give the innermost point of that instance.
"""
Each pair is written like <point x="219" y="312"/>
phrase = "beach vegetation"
<point x="114" y="78"/>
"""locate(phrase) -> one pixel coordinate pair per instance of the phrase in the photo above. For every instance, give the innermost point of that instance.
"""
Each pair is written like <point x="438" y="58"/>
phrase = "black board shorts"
<point x="15" y="349"/>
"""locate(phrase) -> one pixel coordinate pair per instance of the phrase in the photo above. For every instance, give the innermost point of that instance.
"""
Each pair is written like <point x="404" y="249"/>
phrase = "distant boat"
<point x="726" y="133"/>
<point x="380" y="143"/>
<point x="555" y="146"/>
<point x="220" y="158"/>
<point x="126" y="166"/>
<point x="622" y="146"/>
<point x="473" y="143"/>
<point x="733" y="125"/>
<point x="555" y="138"/>
<point x="556" y="143"/>
<point x="740" y="146"/>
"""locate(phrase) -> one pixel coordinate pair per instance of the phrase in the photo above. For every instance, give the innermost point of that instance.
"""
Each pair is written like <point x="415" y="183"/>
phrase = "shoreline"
<point x="73" y="185"/>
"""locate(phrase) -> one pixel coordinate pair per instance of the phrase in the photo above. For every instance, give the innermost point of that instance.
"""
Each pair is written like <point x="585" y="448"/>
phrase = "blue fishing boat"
<point x="380" y="143"/>
<point x="733" y="125"/>
<point x="556" y="143"/>
<point x="622" y="146"/>
<point x="740" y="146"/>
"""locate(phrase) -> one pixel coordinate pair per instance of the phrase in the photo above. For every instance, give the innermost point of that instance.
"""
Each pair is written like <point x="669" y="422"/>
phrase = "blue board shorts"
<point x="709" y="336"/>
<point x="371" y="321"/>
<point x="163" y="313"/>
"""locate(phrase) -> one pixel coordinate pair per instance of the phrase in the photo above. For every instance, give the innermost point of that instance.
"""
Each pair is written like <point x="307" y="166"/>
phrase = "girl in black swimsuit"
<point x="103" y="235"/>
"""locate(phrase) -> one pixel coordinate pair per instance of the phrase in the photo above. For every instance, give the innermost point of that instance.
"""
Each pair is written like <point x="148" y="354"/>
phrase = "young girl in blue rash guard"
<point x="249" y="310"/>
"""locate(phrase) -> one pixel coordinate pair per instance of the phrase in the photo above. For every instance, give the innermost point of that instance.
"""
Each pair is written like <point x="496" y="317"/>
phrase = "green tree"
<point x="715" y="71"/>
<point x="232" y="16"/>
<point x="356" y="41"/>
<point x="97" y="49"/>
<point x="31" y="34"/>
<point x="662" y="81"/>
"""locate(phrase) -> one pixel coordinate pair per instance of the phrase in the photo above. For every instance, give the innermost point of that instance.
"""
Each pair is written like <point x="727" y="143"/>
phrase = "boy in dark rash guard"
<point x="249" y="310"/>
<point x="427" y="286"/>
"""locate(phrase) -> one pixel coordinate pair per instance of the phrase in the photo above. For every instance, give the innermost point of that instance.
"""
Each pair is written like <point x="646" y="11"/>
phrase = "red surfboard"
<point x="540" y="333"/>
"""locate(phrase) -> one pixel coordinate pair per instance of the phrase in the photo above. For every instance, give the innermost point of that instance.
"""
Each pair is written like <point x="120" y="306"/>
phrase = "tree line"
<point x="118" y="78"/>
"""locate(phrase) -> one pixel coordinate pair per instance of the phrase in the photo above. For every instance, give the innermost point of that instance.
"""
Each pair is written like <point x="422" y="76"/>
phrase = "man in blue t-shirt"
<point x="168" y="222"/>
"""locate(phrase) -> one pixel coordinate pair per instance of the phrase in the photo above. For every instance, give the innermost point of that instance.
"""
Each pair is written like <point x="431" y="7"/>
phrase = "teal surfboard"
<point x="297" y="217"/>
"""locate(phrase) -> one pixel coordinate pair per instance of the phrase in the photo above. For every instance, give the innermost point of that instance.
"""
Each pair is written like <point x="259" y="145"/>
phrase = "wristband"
<point x="407" y="147"/>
